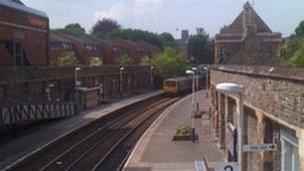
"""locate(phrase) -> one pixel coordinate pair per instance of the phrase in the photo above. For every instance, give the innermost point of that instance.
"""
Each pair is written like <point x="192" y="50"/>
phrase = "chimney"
<point x="249" y="27"/>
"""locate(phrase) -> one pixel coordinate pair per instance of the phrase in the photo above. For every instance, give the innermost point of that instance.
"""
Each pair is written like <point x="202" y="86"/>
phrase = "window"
<point x="56" y="46"/>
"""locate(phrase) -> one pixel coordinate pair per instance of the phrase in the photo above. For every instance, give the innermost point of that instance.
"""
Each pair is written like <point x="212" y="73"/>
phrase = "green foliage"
<point x="167" y="39"/>
<point x="170" y="63"/>
<point x="292" y="52"/>
<point x="74" y="29"/>
<point x="68" y="59"/>
<point x="299" y="31"/>
<point x="222" y="29"/>
<point x="105" y="26"/>
<point x="95" y="61"/>
<point x="146" y="61"/>
<point x="201" y="48"/>
<point x="297" y="60"/>
<point x="126" y="60"/>
<point x="140" y="35"/>
<point x="183" y="129"/>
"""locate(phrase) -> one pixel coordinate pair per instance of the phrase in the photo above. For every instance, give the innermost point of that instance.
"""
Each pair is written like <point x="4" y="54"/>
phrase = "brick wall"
<point x="29" y="83"/>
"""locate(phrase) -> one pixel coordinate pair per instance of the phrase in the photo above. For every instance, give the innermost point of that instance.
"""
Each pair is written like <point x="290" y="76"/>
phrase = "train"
<point x="179" y="85"/>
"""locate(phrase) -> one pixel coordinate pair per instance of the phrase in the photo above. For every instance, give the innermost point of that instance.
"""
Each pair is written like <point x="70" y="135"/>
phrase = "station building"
<point x="247" y="40"/>
<point x="24" y="35"/>
<point x="272" y="96"/>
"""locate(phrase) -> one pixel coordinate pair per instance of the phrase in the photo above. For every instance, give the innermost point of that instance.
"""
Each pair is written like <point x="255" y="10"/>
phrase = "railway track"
<point x="89" y="147"/>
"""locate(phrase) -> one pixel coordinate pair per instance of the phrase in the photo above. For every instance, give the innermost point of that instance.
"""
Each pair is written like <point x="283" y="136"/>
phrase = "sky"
<point x="170" y="15"/>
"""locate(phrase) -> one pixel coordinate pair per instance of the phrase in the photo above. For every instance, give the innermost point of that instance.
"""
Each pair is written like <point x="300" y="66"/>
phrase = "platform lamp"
<point x="77" y="83"/>
<point x="121" y="80"/>
<point x="236" y="89"/>
<point x="49" y="91"/>
<point x="192" y="73"/>
<point x="196" y="85"/>
<point x="207" y="80"/>
<point x="151" y="75"/>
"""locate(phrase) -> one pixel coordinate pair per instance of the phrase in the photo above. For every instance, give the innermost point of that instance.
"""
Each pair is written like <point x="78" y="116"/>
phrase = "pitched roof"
<point x="237" y="26"/>
<point x="19" y="6"/>
<point x="58" y="38"/>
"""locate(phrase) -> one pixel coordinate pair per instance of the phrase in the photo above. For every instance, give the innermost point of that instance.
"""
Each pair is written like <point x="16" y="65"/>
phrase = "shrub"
<point x="95" y="61"/>
<point x="183" y="129"/>
<point x="126" y="60"/>
<point x="68" y="59"/>
<point x="146" y="61"/>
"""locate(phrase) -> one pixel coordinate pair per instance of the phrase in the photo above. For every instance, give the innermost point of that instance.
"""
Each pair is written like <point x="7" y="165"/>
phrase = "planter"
<point x="181" y="138"/>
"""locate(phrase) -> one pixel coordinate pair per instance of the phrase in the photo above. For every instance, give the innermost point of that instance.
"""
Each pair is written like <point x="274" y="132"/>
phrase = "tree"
<point x="68" y="59"/>
<point x="299" y="31"/>
<point x="73" y="29"/>
<point x="297" y="60"/>
<point x="95" y="61"/>
<point x="170" y="63"/>
<point x="126" y="60"/>
<point x="222" y="29"/>
<point x="139" y="35"/>
<point x="146" y="61"/>
<point x="290" y="54"/>
<point x="167" y="39"/>
<point x="201" y="48"/>
<point x="105" y="26"/>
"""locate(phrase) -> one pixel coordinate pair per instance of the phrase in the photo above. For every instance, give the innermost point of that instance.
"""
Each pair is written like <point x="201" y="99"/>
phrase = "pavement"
<point x="47" y="133"/>
<point x="156" y="150"/>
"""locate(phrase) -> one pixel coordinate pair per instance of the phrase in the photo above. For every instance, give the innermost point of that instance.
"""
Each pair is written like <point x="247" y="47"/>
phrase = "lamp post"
<point x="48" y="91"/>
<point x="192" y="73"/>
<point x="121" y="80"/>
<point x="196" y="80"/>
<point x="232" y="88"/>
<point x="207" y="80"/>
<point x="151" y="75"/>
<point x="77" y="83"/>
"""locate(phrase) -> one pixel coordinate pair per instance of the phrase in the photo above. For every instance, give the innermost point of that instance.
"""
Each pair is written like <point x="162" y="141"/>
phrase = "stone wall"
<point x="274" y="102"/>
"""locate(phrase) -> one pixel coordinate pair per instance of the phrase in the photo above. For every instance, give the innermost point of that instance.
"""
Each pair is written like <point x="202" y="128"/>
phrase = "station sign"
<point x="261" y="147"/>
<point x="229" y="166"/>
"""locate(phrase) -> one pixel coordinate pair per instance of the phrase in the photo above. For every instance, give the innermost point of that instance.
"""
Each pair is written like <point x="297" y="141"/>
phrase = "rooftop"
<point x="17" y="5"/>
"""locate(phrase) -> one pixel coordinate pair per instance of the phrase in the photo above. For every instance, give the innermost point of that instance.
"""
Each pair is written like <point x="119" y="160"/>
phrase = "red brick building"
<point x="247" y="40"/>
<point x="150" y="49"/>
<point x="133" y="50"/>
<point x="86" y="48"/>
<point x="24" y="35"/>
<point x="59" y="45"/>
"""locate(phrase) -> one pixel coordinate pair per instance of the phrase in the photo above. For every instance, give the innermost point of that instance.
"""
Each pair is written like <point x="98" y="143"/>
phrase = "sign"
<point x="262" y="147"/>
<point x="229" y="166"/>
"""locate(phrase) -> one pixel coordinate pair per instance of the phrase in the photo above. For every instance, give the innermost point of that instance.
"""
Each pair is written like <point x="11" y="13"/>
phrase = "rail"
<point x="13" y="112"/>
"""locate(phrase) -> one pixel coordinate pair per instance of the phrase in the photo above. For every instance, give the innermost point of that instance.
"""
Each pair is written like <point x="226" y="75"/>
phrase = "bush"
<point x="146" y="61"/>
<point x="68" y="59"/>
<point x="126" y="60"/>
<point x="95" y="61"/>
<point x="183" y="130"/>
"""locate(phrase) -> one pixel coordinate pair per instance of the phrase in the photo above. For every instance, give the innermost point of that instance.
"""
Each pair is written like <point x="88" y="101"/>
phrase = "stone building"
<point x="247" y="40"/>
<point x="273" y="103"/>
<point x="182" y="44"/>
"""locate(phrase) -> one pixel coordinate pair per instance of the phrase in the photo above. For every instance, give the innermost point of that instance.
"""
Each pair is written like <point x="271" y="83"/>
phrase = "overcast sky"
<point x="168" y="15"/>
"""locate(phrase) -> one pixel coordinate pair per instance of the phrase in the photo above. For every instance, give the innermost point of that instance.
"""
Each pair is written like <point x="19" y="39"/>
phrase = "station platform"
<point x="156" y="150"/>
<point x="47" y="133"/>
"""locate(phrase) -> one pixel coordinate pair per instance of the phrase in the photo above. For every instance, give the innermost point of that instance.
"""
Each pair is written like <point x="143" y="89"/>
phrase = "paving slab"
<point x="157" y="151"/>
<point x="22" y="146"/>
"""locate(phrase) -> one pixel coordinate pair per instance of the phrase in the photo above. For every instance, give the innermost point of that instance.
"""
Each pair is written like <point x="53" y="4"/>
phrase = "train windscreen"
<point x="170" y="83"/>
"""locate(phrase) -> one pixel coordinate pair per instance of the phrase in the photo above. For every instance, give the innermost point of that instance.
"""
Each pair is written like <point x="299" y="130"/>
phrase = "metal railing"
<point x="18" y="112"/>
